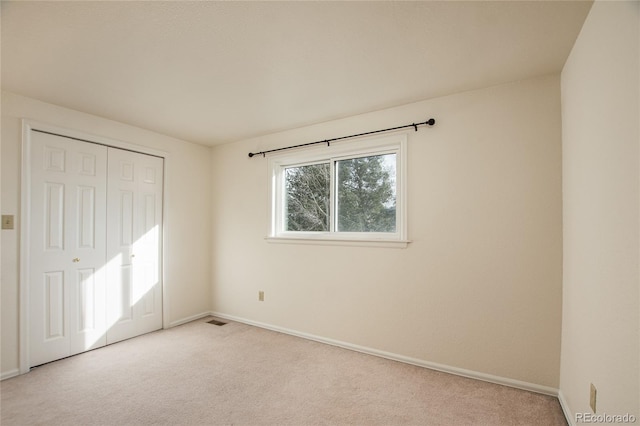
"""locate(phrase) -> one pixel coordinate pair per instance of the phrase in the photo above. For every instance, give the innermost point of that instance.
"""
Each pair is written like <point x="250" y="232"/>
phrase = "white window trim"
<point x="339" y="151"/>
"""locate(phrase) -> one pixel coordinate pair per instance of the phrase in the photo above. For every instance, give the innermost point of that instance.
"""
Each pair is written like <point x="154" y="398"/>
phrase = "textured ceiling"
<point x="214" y="72"/>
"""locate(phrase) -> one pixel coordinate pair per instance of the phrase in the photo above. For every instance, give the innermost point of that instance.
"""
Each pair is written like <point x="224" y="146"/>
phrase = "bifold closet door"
<point x="134" y="225"/>
<point x="67" y="243"/>
<point x="95" y="239"/>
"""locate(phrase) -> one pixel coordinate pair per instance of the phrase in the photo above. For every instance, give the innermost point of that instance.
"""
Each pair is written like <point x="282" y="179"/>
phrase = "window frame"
<point x="345" y="150"/>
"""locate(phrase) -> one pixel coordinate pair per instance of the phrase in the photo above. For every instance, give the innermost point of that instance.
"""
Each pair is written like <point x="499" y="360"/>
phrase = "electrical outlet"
<point x="592" y="398"/>
<point x="261" y="296"/>
<point x="7" y="221"/>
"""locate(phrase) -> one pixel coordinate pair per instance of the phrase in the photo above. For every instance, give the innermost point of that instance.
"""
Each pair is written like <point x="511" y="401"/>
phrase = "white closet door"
<point x="134" y="232"/>
<point x="67" y="247"/>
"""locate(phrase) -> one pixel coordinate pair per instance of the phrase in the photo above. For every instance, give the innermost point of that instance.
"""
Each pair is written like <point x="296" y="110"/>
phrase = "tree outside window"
<point x="365" y="195"/>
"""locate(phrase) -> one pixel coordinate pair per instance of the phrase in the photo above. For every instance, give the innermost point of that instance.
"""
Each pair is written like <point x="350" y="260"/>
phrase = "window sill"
<point x="401" y="244"/>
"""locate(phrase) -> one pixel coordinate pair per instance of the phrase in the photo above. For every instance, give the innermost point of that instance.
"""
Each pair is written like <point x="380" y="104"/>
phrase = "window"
<point x="345" y="193"/>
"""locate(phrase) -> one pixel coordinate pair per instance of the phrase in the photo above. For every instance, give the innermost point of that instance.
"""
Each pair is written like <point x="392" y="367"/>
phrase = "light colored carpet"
<point x="202" y="374"/>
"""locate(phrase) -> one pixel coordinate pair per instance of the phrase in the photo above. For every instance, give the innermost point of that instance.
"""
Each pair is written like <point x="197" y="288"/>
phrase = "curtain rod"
<point x="430" y="122"/>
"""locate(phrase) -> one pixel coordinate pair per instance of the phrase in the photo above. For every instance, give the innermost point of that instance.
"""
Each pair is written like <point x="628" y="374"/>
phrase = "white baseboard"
<point x="565" y="409"/>
<point x="189" y="319"/>
<point x="401" y="358"/>
<point x="9" y="374"/>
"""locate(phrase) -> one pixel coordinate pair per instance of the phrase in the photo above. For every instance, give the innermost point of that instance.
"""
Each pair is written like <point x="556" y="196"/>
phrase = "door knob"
<point x="76" y="259"/>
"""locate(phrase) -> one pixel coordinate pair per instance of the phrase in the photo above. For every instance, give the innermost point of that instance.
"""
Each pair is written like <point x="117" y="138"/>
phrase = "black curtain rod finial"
<point x="431" y="122"/>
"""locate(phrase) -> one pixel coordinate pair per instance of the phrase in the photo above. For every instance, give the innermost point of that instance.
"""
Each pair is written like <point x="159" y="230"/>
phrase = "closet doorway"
<point x="94" y="235"/>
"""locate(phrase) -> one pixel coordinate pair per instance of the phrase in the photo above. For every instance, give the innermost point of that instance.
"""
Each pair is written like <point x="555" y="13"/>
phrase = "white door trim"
<point x="25" y="213"/>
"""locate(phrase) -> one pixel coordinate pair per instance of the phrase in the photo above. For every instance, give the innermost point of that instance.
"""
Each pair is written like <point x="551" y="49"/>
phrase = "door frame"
<point x="25" y="214"/>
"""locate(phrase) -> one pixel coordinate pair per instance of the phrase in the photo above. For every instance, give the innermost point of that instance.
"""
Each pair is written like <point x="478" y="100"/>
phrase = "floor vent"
<point x="216" y="322"/>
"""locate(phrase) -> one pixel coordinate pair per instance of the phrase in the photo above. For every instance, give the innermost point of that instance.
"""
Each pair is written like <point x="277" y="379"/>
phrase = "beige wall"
<point x="187" y="272"/>
<point x="600" y="117"/>
<point x="479" y="288"/>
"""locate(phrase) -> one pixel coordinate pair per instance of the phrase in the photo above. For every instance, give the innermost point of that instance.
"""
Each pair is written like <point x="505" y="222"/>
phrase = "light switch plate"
<point x="7" y="221"/>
